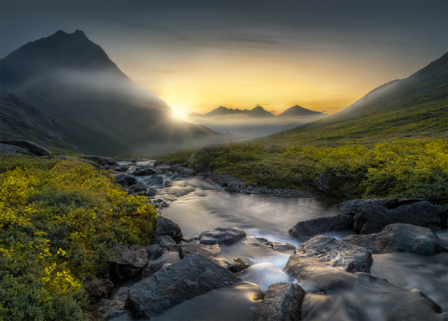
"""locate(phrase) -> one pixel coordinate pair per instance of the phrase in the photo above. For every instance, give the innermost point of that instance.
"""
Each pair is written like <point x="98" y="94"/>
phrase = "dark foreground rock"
<point x="322" y="254"/>
<point x="125" y="180"/>
<point x="177" y="283"/>
<point x="399" y="238"/>
<point x="32" y="148"/>
<point x="129" y="262"/>
<point x="222" y="235"/>
<point x="354" y="207"/>
<point x="375" y="219"/>
<point x="166" y="227"/>
<point x="305" y="230"/>
<point x="191" y="249"/>
<point x="361" y="296"/>
<point x="100" y="160"/>
<point x="98" y="289"/>
<point x="283" y="302"/>
<point x="138" y="188"/>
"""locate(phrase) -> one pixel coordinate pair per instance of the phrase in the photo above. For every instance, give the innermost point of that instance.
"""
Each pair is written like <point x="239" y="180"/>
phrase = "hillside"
<point x="63" y="91"/>
<point x="413" y="107"/>
<point x="298" y="111"/>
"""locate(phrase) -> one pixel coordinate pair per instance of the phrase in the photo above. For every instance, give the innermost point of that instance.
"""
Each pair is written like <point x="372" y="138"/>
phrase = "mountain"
<point x="257" y="112"/>
<point x="297" y="111"/>
<point x="63" y="91"/>
<point x="416" y="106"/>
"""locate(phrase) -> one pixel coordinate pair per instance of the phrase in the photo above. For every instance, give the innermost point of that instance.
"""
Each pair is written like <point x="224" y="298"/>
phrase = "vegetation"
<point x="58" y="222"/>
<point x="404" y="168"/>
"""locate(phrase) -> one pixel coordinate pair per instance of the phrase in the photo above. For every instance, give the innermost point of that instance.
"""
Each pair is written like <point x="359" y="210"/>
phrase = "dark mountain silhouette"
<point x="257" y="112"/>
<point x="297" y="111"/>
<point x="63" y="91"/>
<point x="411" y="107"/>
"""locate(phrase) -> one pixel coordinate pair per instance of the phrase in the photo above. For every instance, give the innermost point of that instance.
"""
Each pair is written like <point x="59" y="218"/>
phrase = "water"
<point x="198" y="205"/>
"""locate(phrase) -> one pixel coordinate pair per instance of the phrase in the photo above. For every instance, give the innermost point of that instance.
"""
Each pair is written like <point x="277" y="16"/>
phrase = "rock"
<point x="322" y="182"/>
<point x="305" y="230"/>
<point x="233" y="264"/>
<point x="183" y="171"/>
<point x="144" y="171"/>
<point x="151" y="192"/>
<point x="168" y="244"/>
<point x="157" y="162"/>
<point x="154" y="180"/>
<point x="206" y="251"/>
<point x="98" y="289"/>
<point x="125" y="180"/>
<point x="191" y="157"/>
<point x="167" y="183"/>
<point x="115" y="304"/>
<point x="222" y="235"/>
<point x="234" y="188"/>
<point x="323" y="253"/>
<point x="154" y="251"/>
<point x="117" y="159"/>
<point x="282" y="302"/>
<point x="150" y="269"/>
<point x="138" y="188"/>
<point x="355" y="206"/>
<point x="375" y="219"/>
<point x="177" y="283"/>
<point x="119" y="168"/>
<point x="101" y="160"/>
<point x="399" y="238"/>
<point x="32" y="148"/>
<point x="129" y="262"/>
<point x="199" y="168"/>
<point x="166" y="227"/>
<point x="274" y="149"/>
<point x="119" y="316"/>
<point x="12" y="149"/>
<point x="163" y="168"/>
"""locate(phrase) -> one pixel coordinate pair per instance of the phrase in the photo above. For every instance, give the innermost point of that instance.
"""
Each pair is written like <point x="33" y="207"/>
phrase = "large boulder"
<point x="98" y="289"/>
<point x="128" y="262"/>
<point x="222" y="235"/>
<point x="12" y="149"/>
<point x="100" y="160"/>
<point x="177" y="283"/>
<point x="138" y="188"/>
<point x="305" y="230"/>
<point x="233" y="264"/>
<point x="154" y="251"/>
<point x="282" y="302"/>
<point x="191" y="249"/>
<point x="144" y="171"/>
<point x="32" y="148"/>
<point x="168" y="244"/>
<point x="166" y="227"/>
<point x="154" y="180"/>
<point x="399" y="238"/>
<point x="125" y="180"/>
<point x="353" y="207"/>
<point x="322" y="254"/>
<point x="375" y="219"/>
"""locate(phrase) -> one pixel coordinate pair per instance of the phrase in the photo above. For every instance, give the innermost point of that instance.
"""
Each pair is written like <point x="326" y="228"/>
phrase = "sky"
<point x="199" y="55"/>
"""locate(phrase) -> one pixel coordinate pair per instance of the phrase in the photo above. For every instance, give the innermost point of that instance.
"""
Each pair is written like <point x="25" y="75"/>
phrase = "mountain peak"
<point x="297" y="110"/>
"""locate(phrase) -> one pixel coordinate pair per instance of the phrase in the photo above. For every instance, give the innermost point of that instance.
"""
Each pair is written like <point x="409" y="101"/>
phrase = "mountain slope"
<point x="298" y="111"/>
<point x="257" y="112"/>
<point x="63" y="91"/>
<point x="413" y="107"/>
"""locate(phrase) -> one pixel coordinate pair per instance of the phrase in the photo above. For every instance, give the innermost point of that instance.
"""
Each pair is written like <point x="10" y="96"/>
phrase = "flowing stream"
<point x="197" y="205"/>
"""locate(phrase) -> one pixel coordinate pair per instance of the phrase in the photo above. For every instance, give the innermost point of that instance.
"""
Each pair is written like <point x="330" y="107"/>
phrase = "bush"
<point x="58" y="222"/>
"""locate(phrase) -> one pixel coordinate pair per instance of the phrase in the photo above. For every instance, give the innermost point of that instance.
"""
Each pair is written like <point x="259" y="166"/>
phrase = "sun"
<point x="179" y="112"/>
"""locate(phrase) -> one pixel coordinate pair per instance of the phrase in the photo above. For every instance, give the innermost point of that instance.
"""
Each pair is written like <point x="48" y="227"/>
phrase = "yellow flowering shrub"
<point x="58" y="222"/>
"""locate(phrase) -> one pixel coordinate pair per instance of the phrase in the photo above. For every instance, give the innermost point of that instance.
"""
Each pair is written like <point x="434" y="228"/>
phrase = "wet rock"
<point x="234" y="188"/>
<point x="154" y="251"/>
<point x="323" y="253"/>
<point x="98" y="289"/>
<point x="138" y="188"/>
<point x="150" y="269"/>
<point x="177" y="283"/>
<point x="183" y="171"/>
<point x="191" y="249"/>
<point x="144" y="171"/>
<point x="168" y="183"/>
<point x="305" y="230"/>
<point x="233" y="264"/>
<point x="125" y="180"/>
<point x="322" y="182"/>
<point x="100" y="160"/>
<point x="151" y="192"/>
<point x="222" y="235"/>
<point x="355" y="206"/>
<point x="108" y="308"/>
<point x="199" y="168"/>
<point x="375" y="219"/>
<point x="158" y="162"/>
<point x="399" y="238"/>
<point x="120" y="316"/>
<point x="32" y="148"/>
<point x="168" y="244"/>
<point x="166" y="227"/>
<point x="163" y="168"/>
<point x="154" y="180"/>
<point x="129" y="262"/>
<point x="282" y="302"/>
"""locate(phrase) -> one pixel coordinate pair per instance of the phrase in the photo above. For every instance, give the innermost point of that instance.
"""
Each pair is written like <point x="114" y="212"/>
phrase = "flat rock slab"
<point x="282" y="302"/>
<point x="32" y="148"/>
<point x="305" y="230"/>
<point x="375" y="219"/>
<point x="323" y="253"/>
<point x="399" y="238"/>
<point x="207" y="251"/>
<point x="177" y="283"/>
<point x="222" y="235"/>
<point x="129" y="262"/>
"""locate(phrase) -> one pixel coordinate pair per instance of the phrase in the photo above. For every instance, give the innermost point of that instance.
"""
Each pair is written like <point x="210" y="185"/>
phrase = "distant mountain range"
<point x="259" y="112"/>
<point x="63" y="91"/>
<point x="416" y="106"/>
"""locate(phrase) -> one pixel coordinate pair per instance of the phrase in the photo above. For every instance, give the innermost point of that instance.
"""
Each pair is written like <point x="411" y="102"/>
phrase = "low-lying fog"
<point x="246" y="126"/>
